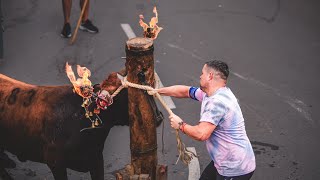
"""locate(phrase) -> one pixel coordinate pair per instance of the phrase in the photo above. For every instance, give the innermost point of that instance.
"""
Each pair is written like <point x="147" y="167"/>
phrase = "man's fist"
<point x="174" y="121"/>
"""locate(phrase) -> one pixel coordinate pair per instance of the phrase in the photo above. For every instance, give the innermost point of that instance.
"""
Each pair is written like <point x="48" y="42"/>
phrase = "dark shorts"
<point x="211" y="173"/>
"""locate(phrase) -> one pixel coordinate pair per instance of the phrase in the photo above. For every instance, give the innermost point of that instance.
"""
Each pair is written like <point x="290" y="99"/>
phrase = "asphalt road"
<point x="271" y="46"/>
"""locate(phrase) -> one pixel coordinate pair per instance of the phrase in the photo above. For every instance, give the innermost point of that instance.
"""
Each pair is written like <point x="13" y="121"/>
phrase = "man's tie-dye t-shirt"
<point x="228" y="145"/>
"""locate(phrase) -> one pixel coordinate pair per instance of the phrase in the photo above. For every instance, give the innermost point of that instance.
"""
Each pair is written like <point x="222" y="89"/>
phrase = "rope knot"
<point x="125" y="82"/>
<point x="152" y="92"/>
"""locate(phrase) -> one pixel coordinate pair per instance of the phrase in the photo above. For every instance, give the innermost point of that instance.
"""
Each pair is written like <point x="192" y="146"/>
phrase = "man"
<point x="221" y="124"/>
<point x="86" y="24"/>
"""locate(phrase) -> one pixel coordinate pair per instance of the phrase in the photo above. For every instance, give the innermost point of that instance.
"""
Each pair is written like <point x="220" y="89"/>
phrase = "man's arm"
<point x="200" y="132"/>
<point x="178" y="91"/>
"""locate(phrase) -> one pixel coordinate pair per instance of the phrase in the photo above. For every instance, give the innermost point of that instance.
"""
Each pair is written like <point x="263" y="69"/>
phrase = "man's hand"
<point x="174" y="121"/>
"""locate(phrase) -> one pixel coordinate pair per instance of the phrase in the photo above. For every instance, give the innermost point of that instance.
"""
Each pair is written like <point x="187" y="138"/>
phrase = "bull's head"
<point x="117" y="112"/>
<point x="120" y="102"/>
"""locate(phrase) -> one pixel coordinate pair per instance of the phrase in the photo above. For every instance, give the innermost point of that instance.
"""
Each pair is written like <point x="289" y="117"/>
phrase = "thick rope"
<point x="117" y="91"/>
<point x="184" y="154"/>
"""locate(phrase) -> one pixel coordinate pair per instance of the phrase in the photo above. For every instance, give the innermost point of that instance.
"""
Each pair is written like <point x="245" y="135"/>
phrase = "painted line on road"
<point x="296" y="104"/>
<point x="128" y="30"/>
<point x="130" y="34"/>
<point x="186" y="51"/>
<point x="194" y="167"/>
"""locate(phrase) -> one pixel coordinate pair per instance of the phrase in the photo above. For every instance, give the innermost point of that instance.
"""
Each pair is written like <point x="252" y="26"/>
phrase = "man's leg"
<point x="86" y="24"/>
<point x="66" y="7"/>
<point x="246" y="176"/>
<point x="242" y="177"/>
<point x="86" y="11"/>
<point x="209" y="173"/>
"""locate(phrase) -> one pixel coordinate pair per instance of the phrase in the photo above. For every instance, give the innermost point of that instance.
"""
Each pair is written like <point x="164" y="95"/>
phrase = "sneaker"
<point x="88" y="26"/>
<point x="66" y="31"/>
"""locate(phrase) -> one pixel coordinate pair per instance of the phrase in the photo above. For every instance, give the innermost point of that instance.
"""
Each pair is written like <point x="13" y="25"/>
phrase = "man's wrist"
<point x="181" y="126"/>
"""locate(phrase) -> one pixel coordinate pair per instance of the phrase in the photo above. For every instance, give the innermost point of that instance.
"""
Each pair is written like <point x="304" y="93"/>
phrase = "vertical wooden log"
<point x="143" y="138"/>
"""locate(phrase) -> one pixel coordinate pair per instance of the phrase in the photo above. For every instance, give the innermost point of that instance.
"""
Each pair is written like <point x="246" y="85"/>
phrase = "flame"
<point x="152" y="30"/>
<point x="80" y="83"/>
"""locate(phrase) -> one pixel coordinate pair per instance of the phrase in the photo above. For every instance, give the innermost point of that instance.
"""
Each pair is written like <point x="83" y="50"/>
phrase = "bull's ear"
<point x="123" y="72"/>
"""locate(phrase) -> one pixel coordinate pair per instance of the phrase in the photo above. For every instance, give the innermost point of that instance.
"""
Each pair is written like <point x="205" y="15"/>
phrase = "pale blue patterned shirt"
<point x="229" y="146"/>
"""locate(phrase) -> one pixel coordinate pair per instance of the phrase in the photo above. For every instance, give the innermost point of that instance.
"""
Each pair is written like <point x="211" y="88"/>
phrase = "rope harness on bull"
<point x="184" y="154"/>
<point x="102" y="100"/>
<point x="82" y="86"/>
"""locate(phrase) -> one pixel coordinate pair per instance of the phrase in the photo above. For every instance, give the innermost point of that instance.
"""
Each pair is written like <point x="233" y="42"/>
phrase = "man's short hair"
<point x="219" y="66"/>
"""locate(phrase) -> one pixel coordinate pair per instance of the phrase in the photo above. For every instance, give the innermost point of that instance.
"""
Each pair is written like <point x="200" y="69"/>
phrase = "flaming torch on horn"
<point x="82" y="86"/>
<point x="152" y="30"/>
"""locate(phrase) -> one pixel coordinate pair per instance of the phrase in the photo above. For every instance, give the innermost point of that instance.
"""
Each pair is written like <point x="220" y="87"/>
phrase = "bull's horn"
<point x="120" y="77"/>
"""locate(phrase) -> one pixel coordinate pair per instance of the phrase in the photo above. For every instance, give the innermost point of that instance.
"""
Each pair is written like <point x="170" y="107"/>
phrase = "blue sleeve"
<point x="192" y="93"/>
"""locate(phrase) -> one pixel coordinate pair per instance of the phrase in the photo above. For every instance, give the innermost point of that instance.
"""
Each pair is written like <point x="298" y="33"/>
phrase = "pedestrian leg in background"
<point x="86" y="24"/>
<point x="86" y="11"/>
<point x="79" y="21"/>
<point x="66" y="7"/>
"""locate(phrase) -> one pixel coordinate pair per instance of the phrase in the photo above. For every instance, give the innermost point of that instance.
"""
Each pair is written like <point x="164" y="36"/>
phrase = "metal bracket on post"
<point x="158" y="114"/>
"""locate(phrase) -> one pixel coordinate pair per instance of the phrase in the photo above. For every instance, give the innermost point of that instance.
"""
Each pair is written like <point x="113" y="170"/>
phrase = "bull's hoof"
<point x="5" y="161"/>
<point x="5" y="175"/>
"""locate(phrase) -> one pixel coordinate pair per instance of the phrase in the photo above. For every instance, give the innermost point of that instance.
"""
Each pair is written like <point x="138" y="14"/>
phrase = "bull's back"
<point x="26" y="115"/>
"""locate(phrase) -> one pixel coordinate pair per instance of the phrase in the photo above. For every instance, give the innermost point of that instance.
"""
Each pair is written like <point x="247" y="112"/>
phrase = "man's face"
<point x="204" y="78"/>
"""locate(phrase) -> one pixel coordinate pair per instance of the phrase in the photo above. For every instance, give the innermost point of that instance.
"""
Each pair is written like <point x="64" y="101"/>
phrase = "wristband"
<point x="180" y="124"/>
<point x="183" y="125"/>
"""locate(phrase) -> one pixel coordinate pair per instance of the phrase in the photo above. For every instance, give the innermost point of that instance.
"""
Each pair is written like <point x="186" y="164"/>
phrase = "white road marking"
<point x="296" y="104"/>
<point x="194" y="167"/>
<point x="128" y="30"/>
<point x="186" y="51"/>
<point x="239" y="76"/>
<point x="130" y="34"/>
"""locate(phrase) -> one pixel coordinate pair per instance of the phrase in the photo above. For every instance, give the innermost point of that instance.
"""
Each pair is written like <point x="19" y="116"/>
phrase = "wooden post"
<point x="143" y="137"/>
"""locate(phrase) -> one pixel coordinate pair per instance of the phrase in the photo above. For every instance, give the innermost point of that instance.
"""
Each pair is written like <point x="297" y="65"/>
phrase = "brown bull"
<point x="43" y="123"/>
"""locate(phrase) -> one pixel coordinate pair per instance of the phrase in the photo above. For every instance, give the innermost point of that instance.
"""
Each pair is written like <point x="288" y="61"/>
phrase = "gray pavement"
<point x="272" y="47"/>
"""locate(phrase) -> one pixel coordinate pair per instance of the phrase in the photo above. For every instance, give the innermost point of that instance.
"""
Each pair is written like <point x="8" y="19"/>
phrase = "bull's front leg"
<point x="54" y="158"/>
<point x="4" y="174"/>
<point x="59" y="173"/>
<point x="97" y="171"/>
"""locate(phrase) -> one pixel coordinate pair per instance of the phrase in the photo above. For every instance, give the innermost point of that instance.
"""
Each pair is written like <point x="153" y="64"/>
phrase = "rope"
<point x="184" y="154"/>
<point x="117" y="91"/>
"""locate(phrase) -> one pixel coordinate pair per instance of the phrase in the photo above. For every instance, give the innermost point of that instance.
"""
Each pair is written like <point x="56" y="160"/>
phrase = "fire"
<point x="152" y="30"/>
<point x="82" y="86"/>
